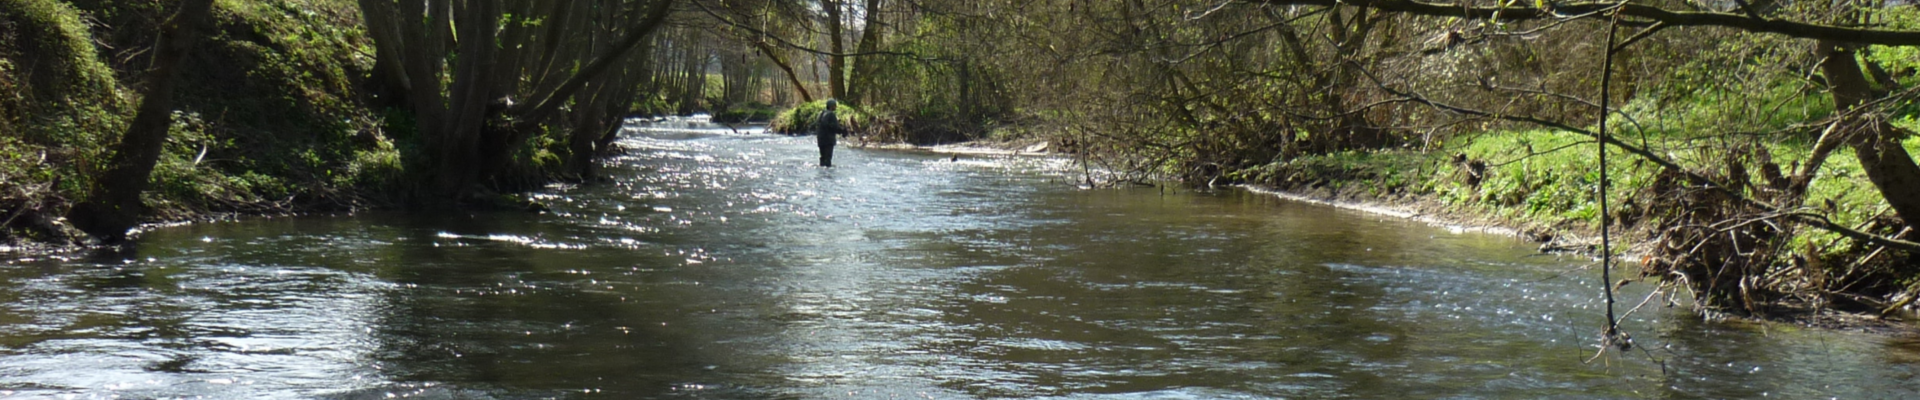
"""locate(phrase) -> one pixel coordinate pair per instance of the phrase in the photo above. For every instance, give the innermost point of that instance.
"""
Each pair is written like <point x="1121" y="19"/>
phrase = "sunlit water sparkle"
<point x="720" y="263"/>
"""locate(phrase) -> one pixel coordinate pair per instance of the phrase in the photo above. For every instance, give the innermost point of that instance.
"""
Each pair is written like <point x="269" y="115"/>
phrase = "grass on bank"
<point x="750" y="112"/>
<point x="800" y="118"/>
<point x="1546" y="179"/>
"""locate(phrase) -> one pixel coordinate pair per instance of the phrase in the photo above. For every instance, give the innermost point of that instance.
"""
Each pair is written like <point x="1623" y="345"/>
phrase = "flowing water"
<point x="721" y="264"/>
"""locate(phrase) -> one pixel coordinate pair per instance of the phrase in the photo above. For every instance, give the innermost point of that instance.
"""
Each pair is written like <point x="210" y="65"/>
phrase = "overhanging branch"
<point x="1645" y="14"/>
<point x="783" y="42"/>
<point x="1814" y="220"/>
<point x="537" y="111"/>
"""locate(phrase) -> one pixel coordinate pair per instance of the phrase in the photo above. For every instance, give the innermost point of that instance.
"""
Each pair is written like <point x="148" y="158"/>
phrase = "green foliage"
<point x="1541" y="176"/>
<point x="1369" y="173"/>
<point x="277" y="111"/>
<point x="60" y="103"/>
<point x="268" y="108"/>
<point x="650" y="104"/>
<point x="1901" y="63"/>
<point x="535" y="161"/>
<point x="749" y="112"/>
<point x="380" y="169"/>
<point x="799" y="119"/>
<point x="1719" y="110"/>
<point x="542" y="153"/>
<point x="1842" y="183"/>
<point x="959" y="97"/>
<point x="60" y="82"/>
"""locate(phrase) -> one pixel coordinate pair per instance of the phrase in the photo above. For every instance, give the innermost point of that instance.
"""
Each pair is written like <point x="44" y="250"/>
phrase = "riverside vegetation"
<point x="1762" y="150"/>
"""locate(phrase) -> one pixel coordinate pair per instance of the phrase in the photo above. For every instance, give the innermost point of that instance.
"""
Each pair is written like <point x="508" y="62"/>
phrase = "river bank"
<point x="1571" y="237"/>
<point x="1427" y="210"/>
<point x="269" y="120"/>
<point x="283" y="108"/>
<point x="1461" y="193"/>
<point x="1557" y="237"/>
<point x="1546" y="198"/>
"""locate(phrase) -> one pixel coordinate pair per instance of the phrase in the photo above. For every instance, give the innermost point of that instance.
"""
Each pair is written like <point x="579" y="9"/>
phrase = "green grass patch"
<point x="1540" y="176"/>
<point x="1373" y="173"/>
<point x="799" y="119"/>
<point x="746" y="113"/>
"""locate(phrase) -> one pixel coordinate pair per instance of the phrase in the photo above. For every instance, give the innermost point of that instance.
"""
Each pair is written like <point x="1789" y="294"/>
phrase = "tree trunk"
<point x="513" y="45"/>
<point x="459" y="115"/>
<point x="115" y="206"/>
<point x="693" y="71"/>
<point x="389" y="83"/>
<point x="794" y="78"/>
<point x="1874" y="141"/>
<point x="547" y="69"/>
<point x="836" y="63"/>
<point x="863" y="65"/>
<point x="457" y="146"/>
<point x="597" y="109"/>
<point x="602" y="61"/>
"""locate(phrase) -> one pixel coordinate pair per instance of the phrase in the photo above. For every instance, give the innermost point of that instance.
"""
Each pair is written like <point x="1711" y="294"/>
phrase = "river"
<point x="721" y="264"/>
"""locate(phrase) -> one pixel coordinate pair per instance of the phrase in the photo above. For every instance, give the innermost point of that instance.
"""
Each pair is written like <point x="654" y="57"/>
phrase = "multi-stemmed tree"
<point x="482" y="76"/>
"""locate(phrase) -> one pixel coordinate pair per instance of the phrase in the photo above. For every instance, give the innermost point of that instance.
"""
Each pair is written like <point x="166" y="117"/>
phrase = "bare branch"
<point x="1647" y="16"/>
<point x="791" y="45"/>
<point x="1815" y="220"/>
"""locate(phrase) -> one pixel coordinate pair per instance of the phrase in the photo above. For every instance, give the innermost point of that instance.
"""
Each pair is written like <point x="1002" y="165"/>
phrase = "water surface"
<point x="721" y="264"/>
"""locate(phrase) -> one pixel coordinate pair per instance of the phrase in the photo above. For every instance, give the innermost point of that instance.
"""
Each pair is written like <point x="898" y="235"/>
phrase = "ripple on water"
<point x="719" y="265"/>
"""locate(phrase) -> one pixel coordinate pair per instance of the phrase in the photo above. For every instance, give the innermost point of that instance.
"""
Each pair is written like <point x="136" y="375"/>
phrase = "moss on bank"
<point x="59" y="102"/>
<point x="269" y="118"/>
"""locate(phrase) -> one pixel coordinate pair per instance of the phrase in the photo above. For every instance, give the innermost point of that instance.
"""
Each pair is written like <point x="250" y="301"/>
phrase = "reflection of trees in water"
<point x="1407" y="316"/>
<point x="106" y="303"/>
<point x="1142" y="293"/>
<point x="118" y="299"/>
<point x="1322" y="326"/>
<point x="492" y="314"/>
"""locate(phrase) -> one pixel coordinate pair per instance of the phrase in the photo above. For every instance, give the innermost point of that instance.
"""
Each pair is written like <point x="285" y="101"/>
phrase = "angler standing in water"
<point x="827" y="128"/>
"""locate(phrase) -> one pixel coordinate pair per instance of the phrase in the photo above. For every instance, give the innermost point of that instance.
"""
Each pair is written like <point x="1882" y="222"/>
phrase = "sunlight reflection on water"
<point x="722" y="264"/>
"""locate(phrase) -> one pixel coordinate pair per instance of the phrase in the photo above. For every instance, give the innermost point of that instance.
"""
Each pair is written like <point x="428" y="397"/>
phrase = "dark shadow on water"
<point x="489" y="314"/>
